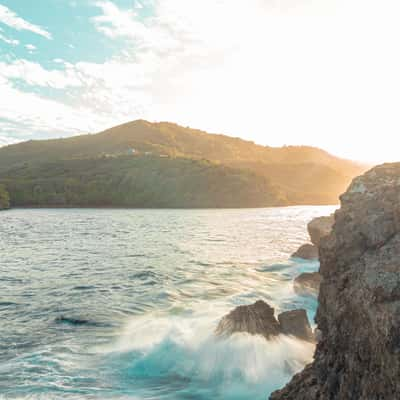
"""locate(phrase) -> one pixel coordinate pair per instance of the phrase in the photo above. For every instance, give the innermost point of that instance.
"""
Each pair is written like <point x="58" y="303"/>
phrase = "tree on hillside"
<point x="4" y="198"/>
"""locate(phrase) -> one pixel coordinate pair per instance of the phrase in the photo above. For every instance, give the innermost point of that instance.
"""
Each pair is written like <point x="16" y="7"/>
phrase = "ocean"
<point x="123" y="304"/>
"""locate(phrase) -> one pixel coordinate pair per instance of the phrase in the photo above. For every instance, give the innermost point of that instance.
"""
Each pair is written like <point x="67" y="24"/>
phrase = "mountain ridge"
<point x="297" y="174"/>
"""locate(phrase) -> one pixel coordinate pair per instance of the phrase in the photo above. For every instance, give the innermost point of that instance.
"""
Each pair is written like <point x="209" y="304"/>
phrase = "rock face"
<point x="358" y="355"/>
<point x="319" y="228"/>
<point x="256" y="319"/>
<point x="307" y="252"/>
<point x="307" y="283"/>
<point x="296" y="323"/>
<point x="259" y="319"/>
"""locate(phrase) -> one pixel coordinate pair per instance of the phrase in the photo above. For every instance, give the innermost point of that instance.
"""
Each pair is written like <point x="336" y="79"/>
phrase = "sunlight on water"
<point x="122" y="304"/>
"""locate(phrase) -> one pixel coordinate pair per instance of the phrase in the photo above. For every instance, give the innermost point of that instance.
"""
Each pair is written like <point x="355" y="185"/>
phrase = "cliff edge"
<point x="358" y="355"/>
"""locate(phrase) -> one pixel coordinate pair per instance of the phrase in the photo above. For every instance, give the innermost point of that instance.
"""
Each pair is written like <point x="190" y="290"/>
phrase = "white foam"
<point x="187" y="346"/>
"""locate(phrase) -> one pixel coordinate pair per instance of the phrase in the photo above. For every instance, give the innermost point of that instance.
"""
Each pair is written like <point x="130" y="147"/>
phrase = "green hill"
<point x="143" y="164"/>
<point x="138" y="181"/>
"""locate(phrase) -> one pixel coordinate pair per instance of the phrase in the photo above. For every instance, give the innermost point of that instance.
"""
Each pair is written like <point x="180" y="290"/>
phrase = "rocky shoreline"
<point x="259" y="318"/>
<point x="358" y="287"/>
<point x="358" y="352"/>
<point x="318" y="228"/>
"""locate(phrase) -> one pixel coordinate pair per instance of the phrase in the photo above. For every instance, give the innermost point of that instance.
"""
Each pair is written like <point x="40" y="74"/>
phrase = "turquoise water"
<point x="122" y="304"/>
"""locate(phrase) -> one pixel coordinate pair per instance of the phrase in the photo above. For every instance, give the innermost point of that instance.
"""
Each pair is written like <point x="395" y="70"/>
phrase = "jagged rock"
<point x="358" y="355"/>
<point x="259" y="319"/>
<point x="307" y="283"/>
<point x="307" y="252"/>
<point x="319" y="228"/>
<point x="296" y="323"/>
<point x="256" y="319"/>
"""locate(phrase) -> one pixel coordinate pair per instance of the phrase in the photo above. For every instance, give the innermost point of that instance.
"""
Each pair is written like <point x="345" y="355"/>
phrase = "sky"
<point x="324" y="73"/>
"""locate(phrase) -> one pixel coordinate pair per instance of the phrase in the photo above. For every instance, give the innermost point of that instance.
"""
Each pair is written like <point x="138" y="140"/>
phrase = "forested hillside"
<point x="141" y="181"/>
<point x="143" y="164"/>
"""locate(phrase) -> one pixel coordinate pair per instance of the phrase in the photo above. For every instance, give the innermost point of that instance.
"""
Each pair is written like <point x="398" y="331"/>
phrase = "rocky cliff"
<point x="358" y="355"/>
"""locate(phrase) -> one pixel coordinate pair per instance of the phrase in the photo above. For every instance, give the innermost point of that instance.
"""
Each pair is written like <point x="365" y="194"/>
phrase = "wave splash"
<point x="184" y="358"/>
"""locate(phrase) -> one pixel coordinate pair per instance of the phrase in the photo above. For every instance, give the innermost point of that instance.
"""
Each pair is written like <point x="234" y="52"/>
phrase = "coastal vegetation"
<point x="141" y="181"/>
<point x="143" y="164"/>
<point x="4" y="198"/>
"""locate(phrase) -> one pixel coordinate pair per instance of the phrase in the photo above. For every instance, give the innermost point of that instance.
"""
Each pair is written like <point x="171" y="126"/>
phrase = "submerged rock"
<point x="259" y="319"/>
<point x="358" y="354"/>
<point x="319" y="228"/>
<point x="296" y="323"/>
<point x="256" y="319"/>
<point x="307" y="283"/>
<point x="307" y="252"/>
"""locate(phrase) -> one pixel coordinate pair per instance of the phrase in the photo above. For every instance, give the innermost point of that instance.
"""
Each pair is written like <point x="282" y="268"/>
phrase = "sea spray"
<point x="183" y="351"/>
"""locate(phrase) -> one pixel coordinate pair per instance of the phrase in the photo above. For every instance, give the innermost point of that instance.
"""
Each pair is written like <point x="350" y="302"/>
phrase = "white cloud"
<point x="6" y="140"/>
<point x="30" y="47"/>
<point x="35" y="114"/>
<point x="138" y="5"/>
<point x="34" y="74"/>
<point x="114" y="22"/>
<point x="10" y="18"/>
<point x="107" y="89"/>
<point x="12" y="42"/>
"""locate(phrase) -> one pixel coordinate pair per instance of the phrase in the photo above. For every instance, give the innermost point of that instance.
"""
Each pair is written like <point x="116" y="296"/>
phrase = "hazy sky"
<point x="323" y="73"/>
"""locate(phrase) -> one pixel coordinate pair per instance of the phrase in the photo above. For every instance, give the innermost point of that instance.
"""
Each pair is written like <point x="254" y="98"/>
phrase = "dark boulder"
<point x="319" y="228"/>
<point x="295" y="323"/>
<point x="307" y="252"/>
<point x="307" y="283"/>
<point x="259" y="319"/>
<point x="256" y="319"/>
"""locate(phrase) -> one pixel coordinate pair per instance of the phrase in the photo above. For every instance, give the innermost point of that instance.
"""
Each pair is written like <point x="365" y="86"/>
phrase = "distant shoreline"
<point x="162" y="208"/>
